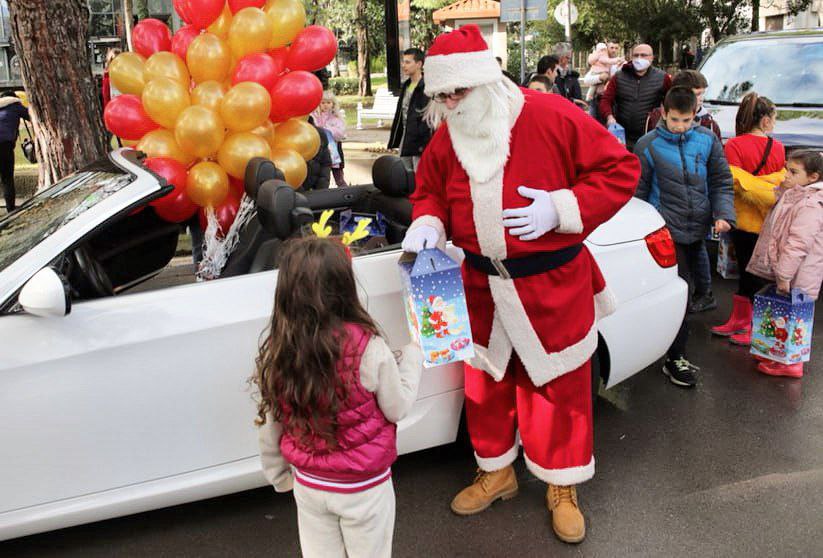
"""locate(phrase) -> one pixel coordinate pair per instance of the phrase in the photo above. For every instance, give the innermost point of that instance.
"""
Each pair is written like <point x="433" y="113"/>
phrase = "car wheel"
<point x="596" y="379"/>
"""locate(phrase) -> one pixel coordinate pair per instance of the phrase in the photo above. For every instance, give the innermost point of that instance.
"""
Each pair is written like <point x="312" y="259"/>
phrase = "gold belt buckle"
<point x="501" y="269"/>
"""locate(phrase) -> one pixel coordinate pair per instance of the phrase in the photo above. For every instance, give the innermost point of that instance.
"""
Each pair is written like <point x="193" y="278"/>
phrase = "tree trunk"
<point x="755" y="15"/>
<point x="51" y="38"/>
<point x="128" y="21"/>
<point x="363" y="72"/>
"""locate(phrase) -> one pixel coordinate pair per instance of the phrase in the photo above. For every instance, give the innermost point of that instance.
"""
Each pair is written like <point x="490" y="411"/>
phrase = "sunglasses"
<point x="458" y="94"/>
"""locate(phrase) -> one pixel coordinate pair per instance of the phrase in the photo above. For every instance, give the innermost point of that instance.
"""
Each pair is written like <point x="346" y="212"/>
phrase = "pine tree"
<point x="767" y="326"/>
<point x="426" y="329"/>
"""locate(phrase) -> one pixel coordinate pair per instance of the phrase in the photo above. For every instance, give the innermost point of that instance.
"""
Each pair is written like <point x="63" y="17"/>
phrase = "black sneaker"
<point x="680" y="372"/>
<point x="702" y="303"/>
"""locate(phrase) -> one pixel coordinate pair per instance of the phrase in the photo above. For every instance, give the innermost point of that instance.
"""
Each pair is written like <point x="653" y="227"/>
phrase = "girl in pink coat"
<point x="789" y="250"/>
<point x="328" y="117"/>
<point x="330" y="395"/>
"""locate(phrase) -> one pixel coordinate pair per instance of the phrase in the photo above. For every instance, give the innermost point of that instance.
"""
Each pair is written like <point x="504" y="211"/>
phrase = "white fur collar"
<point x="483" y="157"/>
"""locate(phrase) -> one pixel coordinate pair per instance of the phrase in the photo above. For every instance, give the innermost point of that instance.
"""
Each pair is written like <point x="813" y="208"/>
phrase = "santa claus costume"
<point x="518" y="179"/>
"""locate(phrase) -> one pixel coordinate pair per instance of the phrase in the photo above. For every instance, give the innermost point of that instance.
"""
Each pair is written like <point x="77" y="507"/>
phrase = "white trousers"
<point x="357" y="525"/>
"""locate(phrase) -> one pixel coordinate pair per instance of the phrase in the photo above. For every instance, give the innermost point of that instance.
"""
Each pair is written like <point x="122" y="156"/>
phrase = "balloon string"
<point x="218" y="247"/>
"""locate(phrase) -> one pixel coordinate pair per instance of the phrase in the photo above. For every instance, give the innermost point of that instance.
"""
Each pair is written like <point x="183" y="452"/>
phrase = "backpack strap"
<point x="765" y="157"/>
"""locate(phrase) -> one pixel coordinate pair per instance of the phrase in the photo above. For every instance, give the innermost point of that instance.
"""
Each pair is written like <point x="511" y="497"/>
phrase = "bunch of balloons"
<point x="234" y="83"/>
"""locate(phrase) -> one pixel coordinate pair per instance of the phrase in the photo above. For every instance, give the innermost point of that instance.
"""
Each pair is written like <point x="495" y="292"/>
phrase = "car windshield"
<point x="56" y="206"/>
<point x="787" y="70"/>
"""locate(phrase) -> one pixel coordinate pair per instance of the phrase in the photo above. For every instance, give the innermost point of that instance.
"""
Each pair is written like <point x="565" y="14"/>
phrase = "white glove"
<point x="533" y="221"/>
<point x="420" y="237"/>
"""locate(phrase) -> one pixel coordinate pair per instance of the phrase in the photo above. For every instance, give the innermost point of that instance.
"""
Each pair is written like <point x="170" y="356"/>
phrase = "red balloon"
<point x="236" y="187"/>
<point x="176" y="205"/>
<point x="259" y="68"/>
<point x="312" y="49"/>
<point x="204" y="12"/>
<point x="150" y="36"/>
<point x="125" y="117"/>
<point x="181" y="40"/>
<point x="183" y="10"/>
<point x="280" y="55"/>
<point x="225" y="213"/>
<point x="237" y="5"/>
<point x="295" y="94"/>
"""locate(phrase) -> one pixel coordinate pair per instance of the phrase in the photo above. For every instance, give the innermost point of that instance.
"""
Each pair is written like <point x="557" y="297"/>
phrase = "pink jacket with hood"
<point x="790" y="246"/>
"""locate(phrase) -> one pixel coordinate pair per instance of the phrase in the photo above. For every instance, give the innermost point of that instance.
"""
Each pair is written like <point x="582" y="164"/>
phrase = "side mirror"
<point x="46" y="295"/>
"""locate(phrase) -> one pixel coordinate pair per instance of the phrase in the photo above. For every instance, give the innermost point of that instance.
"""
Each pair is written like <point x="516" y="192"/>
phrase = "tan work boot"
<point x="567" y="520"/>
<point x="486" y="488"/>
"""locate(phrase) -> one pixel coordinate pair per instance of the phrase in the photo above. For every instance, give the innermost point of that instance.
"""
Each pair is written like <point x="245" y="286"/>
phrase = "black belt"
<point x="534" y="264"/>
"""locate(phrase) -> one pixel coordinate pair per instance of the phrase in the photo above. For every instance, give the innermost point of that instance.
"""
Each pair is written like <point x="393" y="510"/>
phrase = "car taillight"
<point x="661" y="247"/>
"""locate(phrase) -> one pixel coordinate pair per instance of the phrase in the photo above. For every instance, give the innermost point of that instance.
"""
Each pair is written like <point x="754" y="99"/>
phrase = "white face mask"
<point x="641" y="64"/>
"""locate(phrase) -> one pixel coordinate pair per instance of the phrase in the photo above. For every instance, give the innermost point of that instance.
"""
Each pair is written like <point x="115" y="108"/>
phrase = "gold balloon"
<point x="126" y="73"/>
<point x="288" y="18"/>
<point x="238" y="149"/>
<point x="292" y="165"/>
<point x="208" y="94"/>
<point x="266" y="131"/>
<point x="207" y="184"/>
<point x="166" y="64"/>
<point x="161" y="143"/>
<point x="164" y="99"/>
<point x="129" y="143"/>
<point x="250" y="31"/>
<point x="220" y="27"/>
<point x="199" y="131"/>
<point x="208" y="58"/>
<point x="298" y="135"/>
<point x="245" y="107"/>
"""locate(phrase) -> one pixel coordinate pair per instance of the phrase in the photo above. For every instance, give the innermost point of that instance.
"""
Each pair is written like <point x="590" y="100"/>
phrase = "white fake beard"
<point x="480" y="127"/>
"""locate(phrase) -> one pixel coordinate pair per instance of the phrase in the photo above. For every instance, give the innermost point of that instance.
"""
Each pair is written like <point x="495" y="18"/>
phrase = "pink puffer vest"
<point x="366" y="440"/>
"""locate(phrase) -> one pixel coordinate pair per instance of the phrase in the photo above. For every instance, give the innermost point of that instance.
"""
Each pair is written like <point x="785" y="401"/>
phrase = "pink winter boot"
<point x="739" y="321"/>
<point x="779" y="369"/>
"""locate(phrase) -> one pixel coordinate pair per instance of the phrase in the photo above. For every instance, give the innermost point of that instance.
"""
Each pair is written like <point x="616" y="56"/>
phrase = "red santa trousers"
<point x="555" y="422"/>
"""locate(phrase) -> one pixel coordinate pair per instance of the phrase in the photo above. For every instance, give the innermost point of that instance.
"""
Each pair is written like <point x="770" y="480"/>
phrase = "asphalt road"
<point x="731" y="468"/>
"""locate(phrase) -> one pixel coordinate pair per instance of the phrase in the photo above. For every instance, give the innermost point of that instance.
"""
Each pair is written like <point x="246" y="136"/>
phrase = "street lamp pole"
<point x="522" y="41"/>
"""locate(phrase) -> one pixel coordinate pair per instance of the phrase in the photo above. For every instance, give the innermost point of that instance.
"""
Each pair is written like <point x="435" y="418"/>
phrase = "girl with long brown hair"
<point x="331" y="393"/>
<point x="757" y="162"/>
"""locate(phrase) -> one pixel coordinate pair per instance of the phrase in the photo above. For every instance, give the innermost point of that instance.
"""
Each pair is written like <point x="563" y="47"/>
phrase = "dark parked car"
<point x="785" y="66"/>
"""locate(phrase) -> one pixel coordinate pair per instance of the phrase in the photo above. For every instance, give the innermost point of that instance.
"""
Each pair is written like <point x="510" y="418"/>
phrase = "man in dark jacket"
<point x="11" y="111"/>
<point x="633" y="92"/>
<point x="567" y="80"/>
<point x="686" y="177"/>
<point x="409" y="131"/>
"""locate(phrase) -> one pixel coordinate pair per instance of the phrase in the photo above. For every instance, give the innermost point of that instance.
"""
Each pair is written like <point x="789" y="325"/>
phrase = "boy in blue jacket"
<point x="685" y="176"/>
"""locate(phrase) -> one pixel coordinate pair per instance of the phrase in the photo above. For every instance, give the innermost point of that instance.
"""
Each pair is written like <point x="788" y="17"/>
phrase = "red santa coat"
<point x="548" y="319"/>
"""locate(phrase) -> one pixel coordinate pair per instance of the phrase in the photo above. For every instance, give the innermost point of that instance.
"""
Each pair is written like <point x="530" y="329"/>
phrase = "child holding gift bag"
<point x="328" y="117"/>
<point x="331" y="393"/>
<point x="790" y="248"/>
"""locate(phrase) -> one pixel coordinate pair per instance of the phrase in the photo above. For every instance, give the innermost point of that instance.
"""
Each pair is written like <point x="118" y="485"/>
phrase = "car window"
<point x="56" y="206"/>
<point x="787" y="70"/>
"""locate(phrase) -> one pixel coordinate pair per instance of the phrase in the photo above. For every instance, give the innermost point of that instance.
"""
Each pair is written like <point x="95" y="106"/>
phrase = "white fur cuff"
<point x="568" y="476"/>
<point x="491" y="464"/>
<point x="568" y="211"/>
<point x="431" y="221"/>
<point x="605" y="304"/>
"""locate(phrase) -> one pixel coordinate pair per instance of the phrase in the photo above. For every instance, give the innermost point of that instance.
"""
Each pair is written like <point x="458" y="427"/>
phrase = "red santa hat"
<point x="458" y="59"/>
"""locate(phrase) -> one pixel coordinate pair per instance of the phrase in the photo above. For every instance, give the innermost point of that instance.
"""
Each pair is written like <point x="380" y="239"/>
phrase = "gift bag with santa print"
<point x="782" y="325"/>
<point x="436" y="306"/>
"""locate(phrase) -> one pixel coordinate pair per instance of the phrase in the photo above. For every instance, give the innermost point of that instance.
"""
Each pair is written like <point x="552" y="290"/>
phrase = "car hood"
<point x="796" y="127"/>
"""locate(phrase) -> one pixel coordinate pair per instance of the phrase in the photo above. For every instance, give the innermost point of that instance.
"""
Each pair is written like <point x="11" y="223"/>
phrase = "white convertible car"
<point x="120" y="393"/>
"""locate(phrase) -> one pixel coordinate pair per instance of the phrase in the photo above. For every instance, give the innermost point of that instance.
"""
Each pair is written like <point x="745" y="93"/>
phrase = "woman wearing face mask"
<point x="757" y="162"/>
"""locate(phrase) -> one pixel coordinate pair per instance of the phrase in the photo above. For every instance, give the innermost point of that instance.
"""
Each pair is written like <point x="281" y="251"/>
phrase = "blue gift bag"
<point x="619" y="132"/>
<point x="726" y="258"/>
<point x="782" y="325"/>
<point x="436" y="306"/>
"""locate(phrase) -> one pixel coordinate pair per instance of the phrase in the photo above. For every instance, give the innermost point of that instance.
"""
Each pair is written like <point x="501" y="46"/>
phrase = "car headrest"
<point x="258" y="170"/>
<point x="280" y="210"/>
<point x="393" y="176"/>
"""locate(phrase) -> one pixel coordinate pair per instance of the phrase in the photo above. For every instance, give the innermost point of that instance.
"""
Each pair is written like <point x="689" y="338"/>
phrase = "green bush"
<point x="344" y="85"/>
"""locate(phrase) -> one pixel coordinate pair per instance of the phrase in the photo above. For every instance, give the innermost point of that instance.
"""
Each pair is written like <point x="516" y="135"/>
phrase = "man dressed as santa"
<point x="518" y="179"/>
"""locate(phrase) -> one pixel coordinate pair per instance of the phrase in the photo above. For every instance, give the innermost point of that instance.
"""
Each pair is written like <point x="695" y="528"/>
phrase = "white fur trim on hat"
<point x="491" y="464"/>
<point x="446" y="72"/>
<point x="568" y="211"/>
<point x="567" y="476"/>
